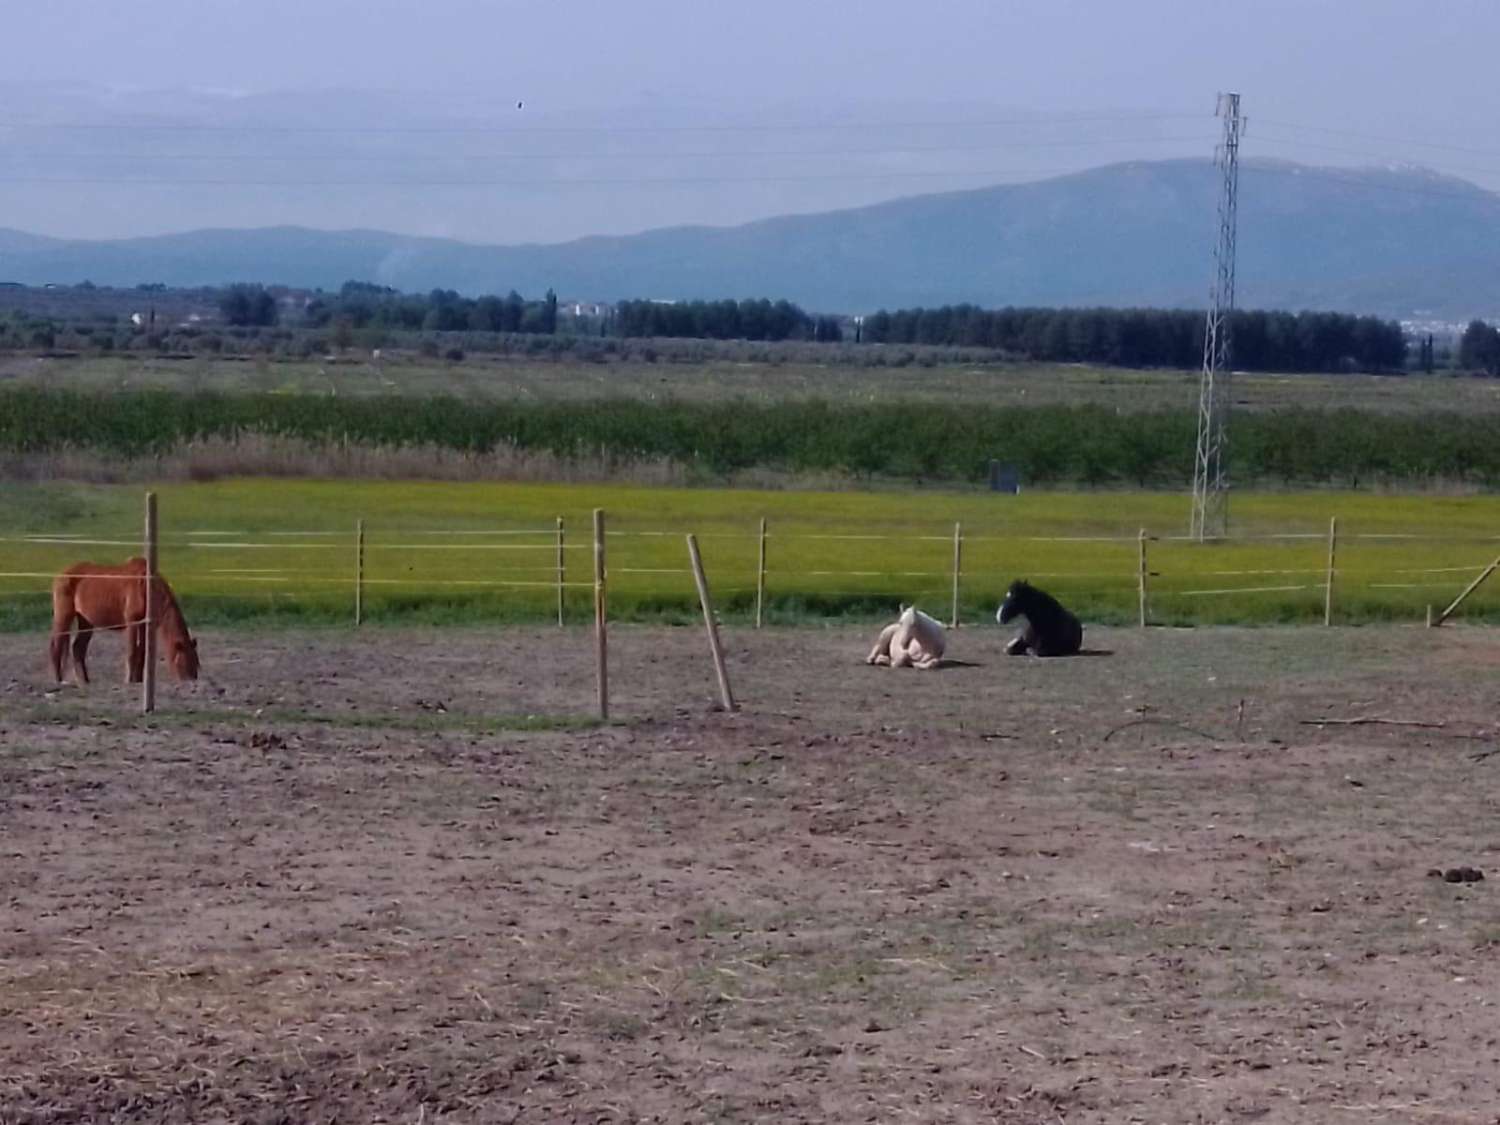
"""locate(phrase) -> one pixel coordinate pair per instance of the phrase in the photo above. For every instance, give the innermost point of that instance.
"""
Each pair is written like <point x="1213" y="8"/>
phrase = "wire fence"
<point x="767" y="572"/>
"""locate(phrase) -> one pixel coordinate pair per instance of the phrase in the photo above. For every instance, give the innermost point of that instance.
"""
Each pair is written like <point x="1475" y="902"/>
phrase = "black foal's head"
<point x="1017" y="599"/>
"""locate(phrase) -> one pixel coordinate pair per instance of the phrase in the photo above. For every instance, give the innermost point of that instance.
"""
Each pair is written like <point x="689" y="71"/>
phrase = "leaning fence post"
<point x="958" y="552"/>
<point x="359" y="572"/>
<point x="601" y="641"/>
<point x="1469" y="589"/>
<point x="561" y="571"/>
<point x="714" y="647"/>
<point x="1140" y="575"/>
<point x="148" y="645"/>
<point x="1333" y="538"/>
<point x="760" y="577"/>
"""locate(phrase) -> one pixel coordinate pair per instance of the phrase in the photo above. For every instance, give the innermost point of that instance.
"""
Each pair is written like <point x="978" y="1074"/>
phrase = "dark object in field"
<point x="94" y="596"/>
<point x="1457" y="875"/>
<point x="1050" y="630"/>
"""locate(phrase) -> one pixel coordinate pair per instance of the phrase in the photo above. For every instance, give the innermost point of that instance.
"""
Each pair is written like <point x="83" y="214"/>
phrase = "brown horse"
<point x="96" y="596"/>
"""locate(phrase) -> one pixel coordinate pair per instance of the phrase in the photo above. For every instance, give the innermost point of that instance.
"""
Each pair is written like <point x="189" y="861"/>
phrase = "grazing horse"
<point x="914" y="641"/>
<point x="96" y="596"/>
<point x="1050" y="629"/>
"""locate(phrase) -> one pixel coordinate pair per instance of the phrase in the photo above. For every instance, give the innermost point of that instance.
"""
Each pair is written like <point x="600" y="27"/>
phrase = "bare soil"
<point x="336" y="882"/>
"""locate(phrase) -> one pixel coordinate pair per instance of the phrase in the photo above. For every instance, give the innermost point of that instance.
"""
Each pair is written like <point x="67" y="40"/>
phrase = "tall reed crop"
<point x="932" y="442"/>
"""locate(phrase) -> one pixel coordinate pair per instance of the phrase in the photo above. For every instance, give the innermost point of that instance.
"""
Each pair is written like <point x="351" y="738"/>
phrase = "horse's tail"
<point x="63" y="588"/>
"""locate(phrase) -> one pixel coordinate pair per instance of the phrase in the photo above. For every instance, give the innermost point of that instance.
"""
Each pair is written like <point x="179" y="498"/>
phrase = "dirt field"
<point x="339" y="883"/>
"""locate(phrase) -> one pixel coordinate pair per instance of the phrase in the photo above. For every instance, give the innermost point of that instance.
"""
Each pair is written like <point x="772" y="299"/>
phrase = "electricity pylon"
<point x="1210" y="466"/>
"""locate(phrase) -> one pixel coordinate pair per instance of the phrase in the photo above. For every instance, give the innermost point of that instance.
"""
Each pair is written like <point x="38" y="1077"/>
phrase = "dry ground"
<point x="334" y="885"/>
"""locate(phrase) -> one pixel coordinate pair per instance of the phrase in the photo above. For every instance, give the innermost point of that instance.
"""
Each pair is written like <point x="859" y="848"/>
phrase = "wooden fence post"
<point x="1141" y="574"/>
<point x="601" y="640"/>
<point x="712" y="625"/>
<point x="148" y="641"/>
<point x="958" y="554"/>
<point x="1333" y="538"/>
<point x="359" y="573"/>
<point x="1469" y="589"/>
<point x="760" y="577"/>
<point x="561" y="571"/>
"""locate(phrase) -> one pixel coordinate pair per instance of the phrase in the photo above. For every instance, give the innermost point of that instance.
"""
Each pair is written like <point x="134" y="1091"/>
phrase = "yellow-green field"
<point x="285" y="549"/>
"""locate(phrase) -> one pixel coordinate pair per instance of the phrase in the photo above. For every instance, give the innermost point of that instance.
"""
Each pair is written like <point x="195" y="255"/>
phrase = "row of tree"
<point x="246" y="306"/>
<point x="1262" y="341"/>
<point x="723" y="320"/>
<point x="1479" y="348"/>
<point x="359" y="304"/>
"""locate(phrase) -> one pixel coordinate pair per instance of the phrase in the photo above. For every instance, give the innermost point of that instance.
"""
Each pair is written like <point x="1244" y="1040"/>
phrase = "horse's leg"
<point x="1075" y="638"/>
<point x="881" y="653"/>
<point x="135" y="653"/>
<point x="81" y="640"/>
<point x="58" y="648"/>
<point x="1021" y="643"/>
<point x="62" y="625"/>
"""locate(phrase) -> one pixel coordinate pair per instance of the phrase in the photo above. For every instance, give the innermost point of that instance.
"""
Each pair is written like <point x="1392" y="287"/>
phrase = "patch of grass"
<point x="282" y="552"/>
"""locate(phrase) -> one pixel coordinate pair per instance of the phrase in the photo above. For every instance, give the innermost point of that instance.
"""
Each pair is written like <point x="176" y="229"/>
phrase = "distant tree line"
<point x="360" y="304"/>
<point x="1262" y="341"/>
<point x="1479" y="348"/>
<point x="245" y="306"/>
<point x="723" y="320"/>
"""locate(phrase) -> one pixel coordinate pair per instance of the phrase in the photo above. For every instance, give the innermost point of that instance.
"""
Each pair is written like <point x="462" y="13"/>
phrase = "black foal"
<point x="1050" y="630"/>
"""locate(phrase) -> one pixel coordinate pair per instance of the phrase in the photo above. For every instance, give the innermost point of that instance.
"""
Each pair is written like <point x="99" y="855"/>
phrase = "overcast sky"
<point x="405" y="115"/>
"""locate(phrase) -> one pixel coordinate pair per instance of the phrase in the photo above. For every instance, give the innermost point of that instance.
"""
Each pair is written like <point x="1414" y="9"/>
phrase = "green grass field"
<point x="263" y="551"/>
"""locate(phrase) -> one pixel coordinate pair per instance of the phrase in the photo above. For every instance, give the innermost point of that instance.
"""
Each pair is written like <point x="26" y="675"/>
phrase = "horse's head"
<point x="1015" y="602"/>
<point x="182" y="655"/>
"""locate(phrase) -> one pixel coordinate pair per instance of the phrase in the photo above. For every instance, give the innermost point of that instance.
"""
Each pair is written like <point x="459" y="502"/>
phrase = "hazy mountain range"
<point x="1393" y="241"/>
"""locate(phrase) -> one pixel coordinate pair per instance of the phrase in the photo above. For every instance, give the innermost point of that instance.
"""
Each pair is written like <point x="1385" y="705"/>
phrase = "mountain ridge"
<point x="1391" y="241"/>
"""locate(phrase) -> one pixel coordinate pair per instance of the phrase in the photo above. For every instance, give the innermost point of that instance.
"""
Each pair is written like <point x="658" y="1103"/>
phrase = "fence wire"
<point x="813" y="567"/>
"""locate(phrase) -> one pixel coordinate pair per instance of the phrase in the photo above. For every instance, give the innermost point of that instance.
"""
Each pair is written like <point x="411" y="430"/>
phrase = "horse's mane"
<point x="1039" y="607"/>
<point x="171" y="613"/>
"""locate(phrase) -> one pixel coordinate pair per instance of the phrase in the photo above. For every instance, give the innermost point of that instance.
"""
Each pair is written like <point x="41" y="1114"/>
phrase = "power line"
<point x="1006" y="176"/>
<point x="1370" y="185"/>
<point x="891" y="150"/>
<point x="538" y="182"/>
<point x="1384" y="156"/>
<point x="1376" y="137"/>
<point x="787" y="127"/>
